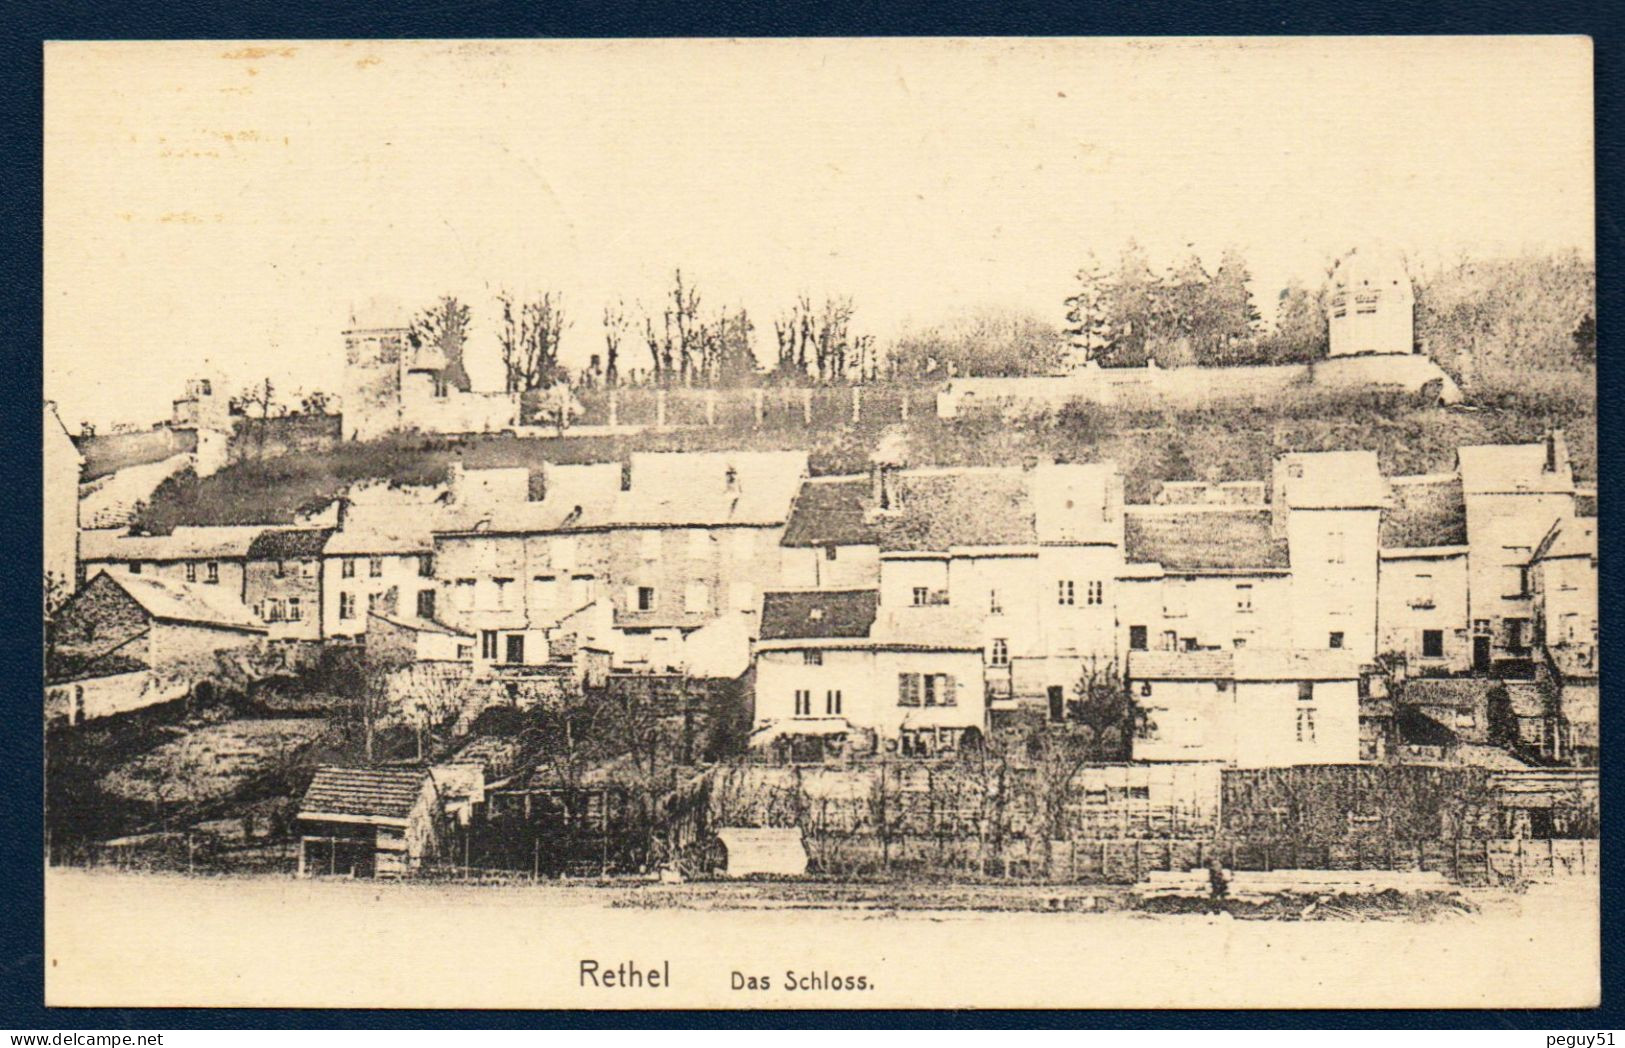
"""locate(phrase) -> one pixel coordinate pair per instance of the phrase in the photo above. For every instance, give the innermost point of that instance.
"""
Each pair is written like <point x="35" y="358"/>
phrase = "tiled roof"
<point x="1424" y="512"/>
<point x="937" y="509"/>
<point x="816" y="614"/>
<point x="1455" y="692"/>
<point x="289" y="543"/>
<point x="173" y="601"/>
<point x="381" y="793"/>
<point x="1202" y="539"/>
<point x="829" y="511"/>
<point x="184" y="543"/>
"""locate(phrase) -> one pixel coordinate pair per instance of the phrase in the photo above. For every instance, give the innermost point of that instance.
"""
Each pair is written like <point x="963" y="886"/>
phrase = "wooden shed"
<point x="367" y="822"/>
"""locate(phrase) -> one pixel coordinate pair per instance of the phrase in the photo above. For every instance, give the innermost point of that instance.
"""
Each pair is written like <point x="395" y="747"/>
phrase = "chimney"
<point x="1557" y="451"/>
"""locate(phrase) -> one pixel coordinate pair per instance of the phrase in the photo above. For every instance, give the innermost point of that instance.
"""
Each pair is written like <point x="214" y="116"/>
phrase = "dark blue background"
<point x="23" y="28"/>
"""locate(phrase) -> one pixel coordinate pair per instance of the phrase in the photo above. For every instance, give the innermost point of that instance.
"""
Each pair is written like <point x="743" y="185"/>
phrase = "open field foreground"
<point x="270" y="941"/>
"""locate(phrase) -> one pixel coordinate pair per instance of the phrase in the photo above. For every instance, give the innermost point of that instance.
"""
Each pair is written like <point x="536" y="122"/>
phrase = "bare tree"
<point x="529" y="336"/>
<point x="615" y="325"/>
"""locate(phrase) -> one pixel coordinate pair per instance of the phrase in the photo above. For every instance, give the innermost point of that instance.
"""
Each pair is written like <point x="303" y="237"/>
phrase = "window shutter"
<point x="950" y="690"/>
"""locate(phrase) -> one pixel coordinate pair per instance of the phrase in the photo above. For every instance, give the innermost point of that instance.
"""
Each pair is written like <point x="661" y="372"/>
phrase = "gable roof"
<point x="186" y="542"/>
<point x="1424" y="511"/>
<point x="818" y="614"/>
<point x="831" y="511"/>
<point x="185" y="602"/>
<point x="418" y="624"/>
<point x="379" y="793"/>
<point x="1185" y="539"/>
<point x="289" y="543"/>
<point x="1569" y="538"/>
<point x="938" y="509"/>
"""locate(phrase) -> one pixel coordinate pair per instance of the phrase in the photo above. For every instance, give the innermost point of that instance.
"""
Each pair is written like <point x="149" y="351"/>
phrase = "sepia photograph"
<point x="821" y="523"/>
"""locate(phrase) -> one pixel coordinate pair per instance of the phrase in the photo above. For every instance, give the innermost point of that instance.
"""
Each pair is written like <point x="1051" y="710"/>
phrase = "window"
<point x="465" y="651"/>
<point x="1306" y="691"/>
<point x="516" y="648"/>
<point x="426" y="604"/>
<point x="921" y="596"/>
<point x="908" y="689"/>
<point x="832" y="703"/>
<point x="347" y="568"/>
<point x="697" y="597"/>
<point x="1170" y="640"/>
<point x="191" y="572"/>
<point x="812" y="658"/>
<point x="375" y="567"/>
<point x="488" y="644"/>
<point x="1306" y="725"/>
<point x="211" y="573"/>
<point x="1481" y="626"/>
<point x="803" y="703"/>
<point x="281" y="568"/>
<point x="1145" y="689"/>
<point x="463" y="595"/>
<point x="1136" y="638"/>
<point x="374" y="603"/>
<point x="937" y="689"/>
<point x="831" y="552"/>
<point x="1065" y="593"/>
<point x="1335" y="640"/>
<point x="1239" y="642"/>
<point x="1515" y="633"/>
<point x="646" y="598"/>
<point x="425" y="565"/>
<point x="307" y="569"/>
<point x="294" y="612"/>
<point x="1000" y="654"/>
<point x="1244" y="598"/>
<point x="995" y="605"/>
<point x="135" y="567"/>
<point x="1097" y="592"/>
<point x="440" y="386"/>
<point x="346" y="605"/>
<point x="1433" y="644"/>
<point x="505" y="591"/>
<point x="273" y="610"/>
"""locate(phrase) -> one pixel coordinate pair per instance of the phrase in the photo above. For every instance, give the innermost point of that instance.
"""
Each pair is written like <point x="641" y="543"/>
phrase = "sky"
<point x="230" y="205"/>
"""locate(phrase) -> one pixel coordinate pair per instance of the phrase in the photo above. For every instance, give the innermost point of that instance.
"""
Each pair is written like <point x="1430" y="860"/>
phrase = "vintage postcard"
<point x="895" y="523"/>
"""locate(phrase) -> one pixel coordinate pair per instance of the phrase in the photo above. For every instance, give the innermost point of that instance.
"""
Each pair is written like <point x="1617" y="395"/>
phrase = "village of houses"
<point x="692" y="664"/>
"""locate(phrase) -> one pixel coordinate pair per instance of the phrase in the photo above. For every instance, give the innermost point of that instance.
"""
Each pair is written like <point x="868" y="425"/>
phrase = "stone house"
<point x="215" y="557"/>
<point x="1250" y="708"/>
<point x="1422" y="575"/>
<point x="283" y="582"/>
<point x="124" y="642"/>
<point x="837" y="665"/>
